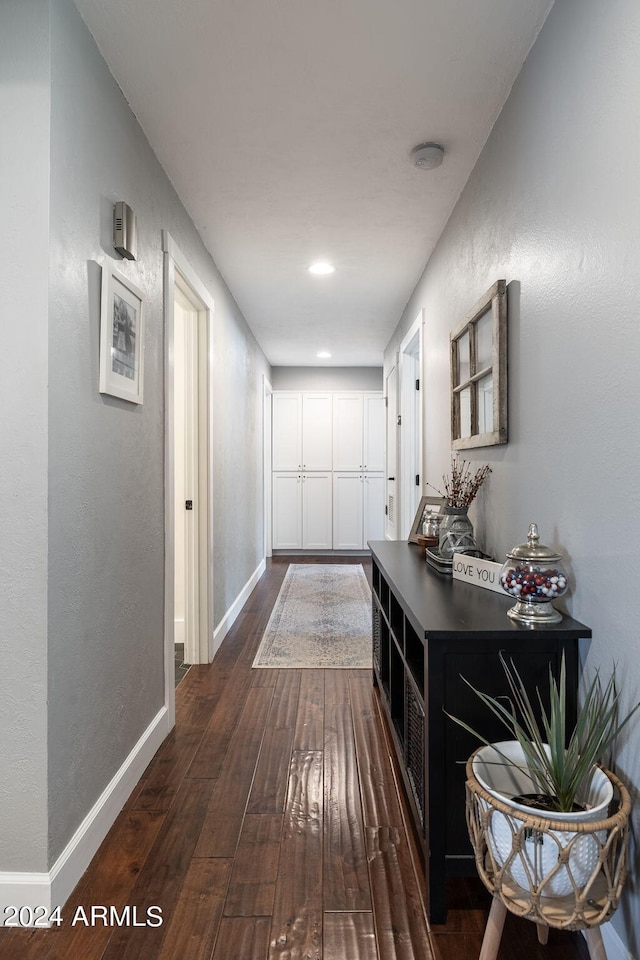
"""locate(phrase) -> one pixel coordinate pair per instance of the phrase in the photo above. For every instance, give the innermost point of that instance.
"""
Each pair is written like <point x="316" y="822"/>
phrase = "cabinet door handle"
<point x="390" y="478"/>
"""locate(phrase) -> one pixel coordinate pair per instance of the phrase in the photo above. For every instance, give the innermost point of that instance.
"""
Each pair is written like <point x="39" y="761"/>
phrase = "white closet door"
<point x="373" y="507"/>
<point x="374" y="432"/>
<point x="317" y="431"/>
<point x="347" y="431"/>
<point x="287" y="511"/>
<point x="287" y="431"/>
<point x="317" y="527"/>
<point x="348" y="511"/>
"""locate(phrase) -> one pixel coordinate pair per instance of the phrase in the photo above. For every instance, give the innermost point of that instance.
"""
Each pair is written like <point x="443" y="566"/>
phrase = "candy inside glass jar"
<point x="534" y="575"/>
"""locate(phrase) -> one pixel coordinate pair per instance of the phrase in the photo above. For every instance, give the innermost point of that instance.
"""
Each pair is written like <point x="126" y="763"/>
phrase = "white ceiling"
<point x="286" y="128"/>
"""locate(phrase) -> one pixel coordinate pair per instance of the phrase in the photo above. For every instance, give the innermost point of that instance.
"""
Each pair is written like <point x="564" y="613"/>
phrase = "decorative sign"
<point x="482" y="573"/>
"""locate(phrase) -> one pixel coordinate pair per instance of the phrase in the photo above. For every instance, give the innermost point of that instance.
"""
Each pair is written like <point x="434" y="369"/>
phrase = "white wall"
<point x="553" y="206"/>
<point x="24" y="250"/>
<point x="326" y="378"/>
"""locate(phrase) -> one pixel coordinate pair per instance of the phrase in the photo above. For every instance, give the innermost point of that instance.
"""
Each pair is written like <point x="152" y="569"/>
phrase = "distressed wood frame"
<point x="436" y="504"/>
<point x="494" y="300"/>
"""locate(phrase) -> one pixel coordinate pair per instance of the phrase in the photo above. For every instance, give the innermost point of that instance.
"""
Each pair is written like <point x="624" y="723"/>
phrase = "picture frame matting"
<point x="121" y="336"/>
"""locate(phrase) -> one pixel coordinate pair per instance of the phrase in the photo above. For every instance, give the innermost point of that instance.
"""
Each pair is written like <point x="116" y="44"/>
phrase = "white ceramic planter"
<point x="540" y="853"/>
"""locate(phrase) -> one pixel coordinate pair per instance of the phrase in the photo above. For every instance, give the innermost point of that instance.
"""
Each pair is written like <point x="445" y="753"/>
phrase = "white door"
<point x="348" y="529"/>
<point x="267" y="462"/>
<point x="188" y="505"/>
<point x="181" y="315"/>
<point x="188" y="310"/>
<point x="411" y="425"/>
<point x="391" y="501"/>
<point x="287" y="431"/>
<point x="317" y="525"/>
<point x="185" y="412"/>
<point x="287" y="511"/>
<point x="373" y="507"/>
<point x="317" y="431"/>
<point x="374" y="431"/>
<point x="348" y="431"/>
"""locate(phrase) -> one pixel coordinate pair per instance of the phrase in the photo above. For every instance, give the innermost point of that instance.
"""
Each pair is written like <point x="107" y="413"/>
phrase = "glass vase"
<point x="456" y="532"/>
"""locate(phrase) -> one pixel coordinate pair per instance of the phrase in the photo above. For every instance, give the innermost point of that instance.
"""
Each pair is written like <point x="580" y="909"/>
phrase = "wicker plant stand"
<point x="591" y="900"/>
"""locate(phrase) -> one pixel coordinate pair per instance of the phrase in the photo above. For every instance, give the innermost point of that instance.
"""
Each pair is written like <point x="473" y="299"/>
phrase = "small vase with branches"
<point x="460" y="490"/>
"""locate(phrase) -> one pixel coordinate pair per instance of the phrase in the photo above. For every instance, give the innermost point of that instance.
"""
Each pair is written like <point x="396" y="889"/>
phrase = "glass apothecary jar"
<point x="535" y="576"/>
<point x="431" y="529"/>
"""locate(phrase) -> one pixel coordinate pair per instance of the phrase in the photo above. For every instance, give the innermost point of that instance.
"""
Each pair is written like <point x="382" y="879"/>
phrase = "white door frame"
<point x="179" y="273"/>
<point x="267" y="392"/>
<point x="411" y="413"/>
<point x="392" y="477"/>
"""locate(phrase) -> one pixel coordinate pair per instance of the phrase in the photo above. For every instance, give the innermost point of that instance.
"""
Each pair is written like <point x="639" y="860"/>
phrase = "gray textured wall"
<point x="554" y="207"/>
<point x="101" y="634"/>
<point x="106" y="472"/>
<point x="106" y="513"/>
<point x="326" y="378"/>
<point x="24" y="195"/>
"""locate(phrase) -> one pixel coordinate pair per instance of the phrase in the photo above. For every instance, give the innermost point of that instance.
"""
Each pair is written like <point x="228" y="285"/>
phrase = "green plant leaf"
<point x="560" y="762"/>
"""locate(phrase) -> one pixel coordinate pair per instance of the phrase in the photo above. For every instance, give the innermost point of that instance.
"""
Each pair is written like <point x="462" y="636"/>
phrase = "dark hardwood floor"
<point x="269" y="827"/>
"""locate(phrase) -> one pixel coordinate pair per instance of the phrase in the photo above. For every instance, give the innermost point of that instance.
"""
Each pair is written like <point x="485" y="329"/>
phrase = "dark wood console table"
<point x="428" y="632"/>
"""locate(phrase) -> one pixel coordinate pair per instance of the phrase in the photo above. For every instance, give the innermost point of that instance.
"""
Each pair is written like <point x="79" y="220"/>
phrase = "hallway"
<point x="269" y="826"/>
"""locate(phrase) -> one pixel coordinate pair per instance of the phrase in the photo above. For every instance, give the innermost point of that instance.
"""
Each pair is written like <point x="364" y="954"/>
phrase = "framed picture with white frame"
<point x="121" y="336"/>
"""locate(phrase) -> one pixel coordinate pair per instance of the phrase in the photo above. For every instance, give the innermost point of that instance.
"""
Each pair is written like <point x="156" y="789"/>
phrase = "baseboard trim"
<point x="53" y="888"/>
<point x="232" y="613"/>
<point x="322" y="553"/>
<point x="613" y="945"/>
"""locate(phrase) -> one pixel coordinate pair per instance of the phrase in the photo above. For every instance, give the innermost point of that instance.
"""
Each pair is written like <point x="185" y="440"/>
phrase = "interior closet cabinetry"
<point x="358" y="432"/>
<point x="287" y="511"/>
<point x="286" y="446"/>
<point x="317" y="509"/>
<point x="328" y="470"/>
<point x="358" y="464"/>
<point x="374" y="433"/>
<point x="302" y="511"/>
<point x="358" y="509"/>
<point x="302" y="431"/>
<point x="373" y="486"/>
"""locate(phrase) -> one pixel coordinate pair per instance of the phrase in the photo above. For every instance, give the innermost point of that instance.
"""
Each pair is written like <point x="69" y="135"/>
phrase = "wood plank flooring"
<point x="269" y="827"/>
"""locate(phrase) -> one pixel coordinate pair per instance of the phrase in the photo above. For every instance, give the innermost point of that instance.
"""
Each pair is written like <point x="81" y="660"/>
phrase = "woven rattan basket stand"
<point x="591" y="900"/>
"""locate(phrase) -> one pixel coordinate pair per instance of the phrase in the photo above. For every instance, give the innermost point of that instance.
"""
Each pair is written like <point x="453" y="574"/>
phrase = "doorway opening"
<point x="188" y="477"/>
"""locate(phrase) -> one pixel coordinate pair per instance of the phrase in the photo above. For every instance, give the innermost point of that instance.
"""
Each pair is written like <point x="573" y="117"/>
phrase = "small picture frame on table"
<point x="434" y="504"/>
<point x="121" y="336"/>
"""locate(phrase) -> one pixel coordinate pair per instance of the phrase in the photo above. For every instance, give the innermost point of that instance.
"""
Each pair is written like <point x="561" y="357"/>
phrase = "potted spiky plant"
<point x="548" y="771"/>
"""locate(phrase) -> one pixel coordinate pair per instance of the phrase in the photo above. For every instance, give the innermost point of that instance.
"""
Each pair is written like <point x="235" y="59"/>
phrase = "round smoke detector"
<point x="427" y="156"/>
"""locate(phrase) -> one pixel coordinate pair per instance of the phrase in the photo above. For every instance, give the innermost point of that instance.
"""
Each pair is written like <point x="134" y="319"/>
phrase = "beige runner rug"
<point x="321" y="619"/>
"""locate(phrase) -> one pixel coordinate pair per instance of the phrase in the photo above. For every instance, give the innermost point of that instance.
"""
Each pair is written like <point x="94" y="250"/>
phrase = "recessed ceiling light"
<point x="321" y="268"/>
<point x="323" y="355"/>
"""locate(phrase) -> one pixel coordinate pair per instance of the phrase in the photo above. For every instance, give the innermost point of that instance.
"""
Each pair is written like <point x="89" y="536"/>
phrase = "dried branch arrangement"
<point x="461" y="485"/>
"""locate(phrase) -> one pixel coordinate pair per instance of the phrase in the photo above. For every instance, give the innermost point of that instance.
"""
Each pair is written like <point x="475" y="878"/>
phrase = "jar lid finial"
<point x="533" y="550"/>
